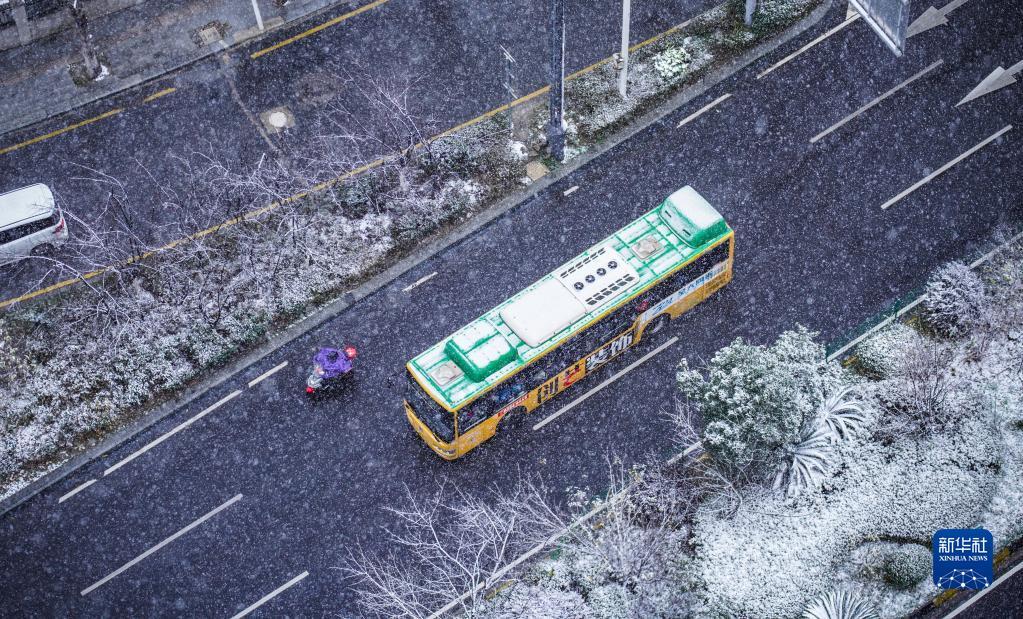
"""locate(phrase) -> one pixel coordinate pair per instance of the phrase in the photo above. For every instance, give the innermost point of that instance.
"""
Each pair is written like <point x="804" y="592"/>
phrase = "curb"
<point x="426" y="250"/>
<point x="134" y="80"/>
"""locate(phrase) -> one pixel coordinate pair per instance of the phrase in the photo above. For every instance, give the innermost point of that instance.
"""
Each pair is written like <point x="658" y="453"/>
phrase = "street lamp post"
<point x="556" y="32"/>
<point x="751" y="7"/>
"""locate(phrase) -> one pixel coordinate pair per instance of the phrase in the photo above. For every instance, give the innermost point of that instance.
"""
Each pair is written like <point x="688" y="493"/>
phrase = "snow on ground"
<point x="862" y="538"/>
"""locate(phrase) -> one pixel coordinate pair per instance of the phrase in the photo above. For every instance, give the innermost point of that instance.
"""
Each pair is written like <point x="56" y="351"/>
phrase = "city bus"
<point x="568" y="324"/>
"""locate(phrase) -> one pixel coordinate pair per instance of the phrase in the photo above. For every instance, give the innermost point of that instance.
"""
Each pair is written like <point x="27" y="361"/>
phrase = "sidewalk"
<point x="137" y="44"/>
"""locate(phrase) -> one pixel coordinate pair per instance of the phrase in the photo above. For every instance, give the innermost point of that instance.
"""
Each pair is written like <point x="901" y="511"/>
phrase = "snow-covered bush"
<point x="521" y="600"/>
<point x="756" y="401"/>
<point x="926" y="393"/>
<point x="840" y="605"/>
<point x="13" y="363"/>
<point x="954" y="299"/>
<point x="610" y="601"/>
<point x="906" y="566"/>
<point x="671" y="64"/>
<point x="882" y="354"/>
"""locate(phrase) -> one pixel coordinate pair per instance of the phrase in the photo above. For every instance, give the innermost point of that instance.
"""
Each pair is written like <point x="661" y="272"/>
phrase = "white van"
<point x="30" y="223"/>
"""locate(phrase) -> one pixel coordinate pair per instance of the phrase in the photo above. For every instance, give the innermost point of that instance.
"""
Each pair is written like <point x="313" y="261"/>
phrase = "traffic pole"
<point x="556" y="32"/>
<point x="259" y="16"/>
<point x="623" y="74"/>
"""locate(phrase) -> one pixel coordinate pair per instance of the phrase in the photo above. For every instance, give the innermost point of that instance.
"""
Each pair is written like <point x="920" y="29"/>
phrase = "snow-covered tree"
<point x="451" y="546"/>
<point x="756" y="401"/>
<point x="954" y="298"/>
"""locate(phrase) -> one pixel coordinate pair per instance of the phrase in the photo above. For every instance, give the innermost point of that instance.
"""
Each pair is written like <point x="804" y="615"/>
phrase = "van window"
<point x="13" y="234"/>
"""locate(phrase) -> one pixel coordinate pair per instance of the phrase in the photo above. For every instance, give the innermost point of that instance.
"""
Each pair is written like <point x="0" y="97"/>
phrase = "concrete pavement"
<point x="813" y="246"/>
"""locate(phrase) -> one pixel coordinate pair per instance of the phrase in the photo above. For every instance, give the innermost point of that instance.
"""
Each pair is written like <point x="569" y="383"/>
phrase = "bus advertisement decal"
<point x="609" y="351"/>
<point x="687" y="290"/>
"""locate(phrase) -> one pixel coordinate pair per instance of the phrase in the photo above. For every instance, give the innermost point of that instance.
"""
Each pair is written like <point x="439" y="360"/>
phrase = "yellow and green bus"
<point x="568" y="324"/>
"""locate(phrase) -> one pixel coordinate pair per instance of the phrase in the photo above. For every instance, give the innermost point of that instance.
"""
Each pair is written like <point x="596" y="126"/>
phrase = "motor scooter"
<point x="330" y="366"/>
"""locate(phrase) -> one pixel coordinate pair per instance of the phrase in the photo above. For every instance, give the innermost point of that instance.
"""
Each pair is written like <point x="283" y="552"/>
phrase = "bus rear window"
<point x="440" y="421"/>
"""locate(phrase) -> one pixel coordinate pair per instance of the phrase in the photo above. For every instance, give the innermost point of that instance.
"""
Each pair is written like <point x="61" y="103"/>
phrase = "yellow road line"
<point x="157" y="95"/>
<point x="326" y="184"/>
<point x="113" y="112"/>
<point x="327" y="24"/>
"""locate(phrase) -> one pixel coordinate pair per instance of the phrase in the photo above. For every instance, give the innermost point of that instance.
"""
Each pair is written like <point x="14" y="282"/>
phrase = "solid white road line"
<point x="267" y="374"/>
<point x="607" y="382"/>
<point x="866" y="107"/>
<point x="76" y="491"/>
<point x="946" y="167"/>
<point x="181" y="427"/>
<point x="884" y="323"/>
<point x="1004" y="577"/>
<point x="421" y="280"/>
<point x="979" y="261"/>
<point x="703" y="109"/>
<point x="571" y="190"/>
<point x="118" y="571"/>
<point x="973" y="265"/>
<point x="809" y="45"/>
<point x="271" y="595"/>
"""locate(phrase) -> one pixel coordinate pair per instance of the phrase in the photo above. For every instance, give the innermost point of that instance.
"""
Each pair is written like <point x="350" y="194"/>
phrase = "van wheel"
<point x="43" y="251"/>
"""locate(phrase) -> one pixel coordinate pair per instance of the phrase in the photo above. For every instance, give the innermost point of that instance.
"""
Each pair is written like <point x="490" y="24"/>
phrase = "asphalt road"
<point x="813" y="246"/>
<point x="450" y="50"/>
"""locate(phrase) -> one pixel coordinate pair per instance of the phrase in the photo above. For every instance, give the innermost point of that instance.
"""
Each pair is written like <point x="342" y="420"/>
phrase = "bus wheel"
<point x="514" y="418"/>
<point x="658" y="324"/>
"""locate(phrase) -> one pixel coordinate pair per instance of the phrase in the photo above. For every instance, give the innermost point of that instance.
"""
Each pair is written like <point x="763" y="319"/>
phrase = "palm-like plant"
<point x="808" y="461"/>
<point x="840" y="605"/>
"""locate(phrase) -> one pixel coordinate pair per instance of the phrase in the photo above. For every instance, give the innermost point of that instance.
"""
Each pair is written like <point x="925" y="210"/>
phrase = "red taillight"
<point x="309" y="390"/>
<point x="350" y="352"/>
<point x="59" y="227"/>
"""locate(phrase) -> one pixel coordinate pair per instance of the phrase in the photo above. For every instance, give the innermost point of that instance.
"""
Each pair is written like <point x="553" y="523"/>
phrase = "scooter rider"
<point x="329" y="363"/>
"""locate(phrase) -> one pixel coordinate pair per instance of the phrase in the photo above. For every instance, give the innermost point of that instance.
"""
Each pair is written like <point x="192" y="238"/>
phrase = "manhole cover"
<point x="209" y="35"/>
<point x="277" y="119"/>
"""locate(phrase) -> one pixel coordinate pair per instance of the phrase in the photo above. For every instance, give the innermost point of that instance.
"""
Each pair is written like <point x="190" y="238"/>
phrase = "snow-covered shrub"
<point x="927" y="393"/>
<point x="772" y="558"/>
<point x="587" y="571"/>
<point x="610" y="601"/>
<point x="13" y="363"/>
<point x="671" y="64"/>
<point x="773" y="14"/>
<point x="757" y="400"/>
<point x="906" y="566"/>
<point x="525" y="601"/>
<point x="840" y="605"/>
<point x="882" y="354"/>
<point x="482" y="151"/>
<point x="954" y="299"/>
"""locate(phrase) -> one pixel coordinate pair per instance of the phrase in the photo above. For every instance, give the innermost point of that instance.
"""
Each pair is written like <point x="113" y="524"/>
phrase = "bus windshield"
<point x="440" y="421"/>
